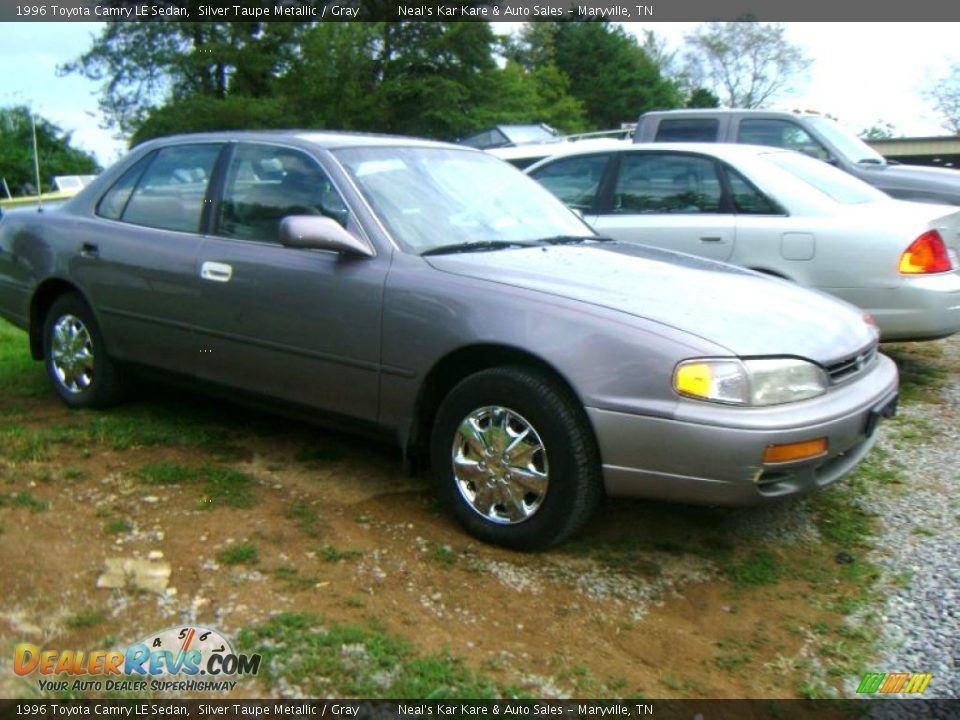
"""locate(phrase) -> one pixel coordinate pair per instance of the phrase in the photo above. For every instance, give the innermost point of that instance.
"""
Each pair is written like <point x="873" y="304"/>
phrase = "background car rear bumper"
<point x="721" y="464"/>
<point x="923" y="307"/>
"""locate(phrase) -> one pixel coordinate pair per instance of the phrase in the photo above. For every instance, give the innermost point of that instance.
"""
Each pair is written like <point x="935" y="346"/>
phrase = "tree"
<point x="144" y="65"/>
<point x="880" y="130"/>
<point x="607" y="70"/>
<point x="702" y="98"/>
<point x="944" y="93"/>
<point x="55" y="153"/>
<point x="747" y="64"/>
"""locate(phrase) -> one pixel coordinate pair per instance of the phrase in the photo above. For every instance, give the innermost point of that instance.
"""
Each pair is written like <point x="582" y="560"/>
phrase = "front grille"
<point x="852" y="366"/>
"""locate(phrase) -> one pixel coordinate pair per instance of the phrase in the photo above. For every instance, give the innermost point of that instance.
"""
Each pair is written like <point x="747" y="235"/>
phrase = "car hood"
<point x="747" y="313"/>
<point x="912" y="177"/>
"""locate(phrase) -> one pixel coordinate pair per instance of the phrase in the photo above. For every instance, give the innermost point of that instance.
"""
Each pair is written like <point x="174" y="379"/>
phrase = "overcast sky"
<point x="863" y="73"/>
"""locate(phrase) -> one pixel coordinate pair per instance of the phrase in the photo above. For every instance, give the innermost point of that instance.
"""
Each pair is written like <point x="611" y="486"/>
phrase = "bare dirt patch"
<point x="260" y="517"/>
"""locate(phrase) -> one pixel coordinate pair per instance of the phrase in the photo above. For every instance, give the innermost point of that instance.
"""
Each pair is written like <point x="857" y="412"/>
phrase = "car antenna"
<point x="36" y="162"/>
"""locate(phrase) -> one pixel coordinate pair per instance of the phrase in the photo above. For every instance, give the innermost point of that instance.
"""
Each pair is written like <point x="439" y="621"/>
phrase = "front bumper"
<point x="712" y="454"/>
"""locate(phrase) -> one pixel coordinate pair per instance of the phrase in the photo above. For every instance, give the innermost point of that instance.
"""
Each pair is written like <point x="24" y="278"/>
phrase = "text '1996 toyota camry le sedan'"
<point x="437" y="296"/>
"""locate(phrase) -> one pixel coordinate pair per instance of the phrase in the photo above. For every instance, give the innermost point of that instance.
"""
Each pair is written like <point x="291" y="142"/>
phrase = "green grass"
<point x="331" y="554"/>
<point x="245" y="554"/>
<point x="305" y="516"/>
<point x="220" y="485"/>
<point x="25" y="444"/>
<point x="117" y="527"/>
<point x="921" y="370"/>
<point x="24" y="500"/>
<point x="333" y="660"/>
<point x="20" y="375"/>
<point x="443" y="554"/>
<point x="86" y="619"/>
<point x="293" y="578"/>
<point x="167" y="474"/>
<point x="760" y="567"/>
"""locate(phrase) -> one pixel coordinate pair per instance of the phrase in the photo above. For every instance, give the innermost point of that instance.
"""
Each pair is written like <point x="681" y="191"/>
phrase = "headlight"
<point x="767" y="381"/>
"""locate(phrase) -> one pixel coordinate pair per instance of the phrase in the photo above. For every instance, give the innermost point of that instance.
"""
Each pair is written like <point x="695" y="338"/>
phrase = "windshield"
<point x="850" y="146"/>
<point x="431" y="197"/>
<point x="833" y="183"/>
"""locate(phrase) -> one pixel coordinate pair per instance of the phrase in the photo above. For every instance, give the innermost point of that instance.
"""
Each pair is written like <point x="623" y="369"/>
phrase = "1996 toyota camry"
<point x="436" y="295"/>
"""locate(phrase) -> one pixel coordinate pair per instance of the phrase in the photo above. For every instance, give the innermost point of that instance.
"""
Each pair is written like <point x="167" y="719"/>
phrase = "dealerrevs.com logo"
<point x="178" y="659"/>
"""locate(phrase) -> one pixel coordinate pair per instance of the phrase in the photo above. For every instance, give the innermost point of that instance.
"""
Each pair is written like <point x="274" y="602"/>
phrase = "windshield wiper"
<point x="573" y="239"/>
<point x="871" y="161"/>
<point x="473" y="246"/>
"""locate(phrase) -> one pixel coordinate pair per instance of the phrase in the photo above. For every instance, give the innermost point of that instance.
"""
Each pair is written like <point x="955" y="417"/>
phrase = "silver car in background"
<point x="778" y="212"/>
<point x="436" y="296"/>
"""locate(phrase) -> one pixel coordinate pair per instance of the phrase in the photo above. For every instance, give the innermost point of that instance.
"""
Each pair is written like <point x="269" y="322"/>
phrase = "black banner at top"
<point x="852" y="11"/>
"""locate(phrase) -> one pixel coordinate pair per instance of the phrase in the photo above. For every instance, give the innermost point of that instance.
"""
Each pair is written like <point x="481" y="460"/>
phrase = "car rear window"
<point x="688" y="130"/>
<point x="835" y="184"/>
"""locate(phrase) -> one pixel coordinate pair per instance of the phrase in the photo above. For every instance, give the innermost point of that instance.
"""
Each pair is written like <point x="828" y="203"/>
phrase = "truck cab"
<point x="810" y="133"/>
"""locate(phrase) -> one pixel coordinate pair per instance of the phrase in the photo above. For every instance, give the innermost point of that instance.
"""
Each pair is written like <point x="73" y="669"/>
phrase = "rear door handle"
<point x="711" y="239"/>
<point x="89" y="250"/>
<point x="217" y="272"/>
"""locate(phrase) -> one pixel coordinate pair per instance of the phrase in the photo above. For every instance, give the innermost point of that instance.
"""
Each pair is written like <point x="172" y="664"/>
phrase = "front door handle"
<point x="218" y="272"/>
<point x="711" y="239"/>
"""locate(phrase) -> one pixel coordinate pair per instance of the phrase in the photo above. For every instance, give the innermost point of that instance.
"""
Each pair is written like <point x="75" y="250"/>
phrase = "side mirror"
<point x="320" y="233"/>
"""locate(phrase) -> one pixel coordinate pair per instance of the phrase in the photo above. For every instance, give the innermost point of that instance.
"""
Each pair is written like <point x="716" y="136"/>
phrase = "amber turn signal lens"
<point x="795" y="451"/>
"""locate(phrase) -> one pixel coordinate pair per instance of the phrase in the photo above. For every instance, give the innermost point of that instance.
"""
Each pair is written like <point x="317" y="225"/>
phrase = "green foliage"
<point x="608" y="72"/>
<point x="56" y="155"/>
<point x="702" y="98"/>
<point x="205" y="113"/>
<point x="443" y="80"/>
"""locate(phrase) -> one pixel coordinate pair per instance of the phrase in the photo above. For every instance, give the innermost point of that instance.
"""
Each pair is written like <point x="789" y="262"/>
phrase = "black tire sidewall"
<point x="574" y="488"/>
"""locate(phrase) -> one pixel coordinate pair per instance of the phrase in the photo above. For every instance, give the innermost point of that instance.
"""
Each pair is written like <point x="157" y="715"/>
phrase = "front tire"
<point x="515" y="458"/>
<point x="81" y="372"/>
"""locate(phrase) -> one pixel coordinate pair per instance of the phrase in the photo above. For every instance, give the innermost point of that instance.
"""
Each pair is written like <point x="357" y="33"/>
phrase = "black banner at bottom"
<point x="866" y="709"/>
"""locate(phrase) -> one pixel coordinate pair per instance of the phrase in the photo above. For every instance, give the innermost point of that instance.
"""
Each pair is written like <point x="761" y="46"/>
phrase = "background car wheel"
<point x="516" y="459"/>
<point x="76" y="358"/>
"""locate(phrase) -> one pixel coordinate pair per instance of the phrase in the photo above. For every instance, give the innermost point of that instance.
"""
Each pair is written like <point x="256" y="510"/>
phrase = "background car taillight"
<point x="926" y="254"/>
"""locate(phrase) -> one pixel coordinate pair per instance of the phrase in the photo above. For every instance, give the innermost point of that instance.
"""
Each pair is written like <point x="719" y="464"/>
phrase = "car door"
<point x="300" y="325"/>
<point x="671" y="200"/>
<point x="137" y="259"/>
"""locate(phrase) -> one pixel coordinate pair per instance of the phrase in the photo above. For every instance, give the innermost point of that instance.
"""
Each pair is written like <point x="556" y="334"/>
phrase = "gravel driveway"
<point x="919" y="542"/>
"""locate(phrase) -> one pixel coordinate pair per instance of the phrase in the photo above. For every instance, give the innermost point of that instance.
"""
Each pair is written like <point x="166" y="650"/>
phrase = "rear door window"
<point x="171" y="192"/>
<point x="672" y="183"/>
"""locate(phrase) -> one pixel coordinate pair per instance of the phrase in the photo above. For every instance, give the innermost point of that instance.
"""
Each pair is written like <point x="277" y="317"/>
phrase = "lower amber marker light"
<point x="791" y="452"/>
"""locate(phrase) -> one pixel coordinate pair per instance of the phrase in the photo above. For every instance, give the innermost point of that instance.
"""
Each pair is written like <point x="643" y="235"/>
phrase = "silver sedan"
<point x="778" y="212"/>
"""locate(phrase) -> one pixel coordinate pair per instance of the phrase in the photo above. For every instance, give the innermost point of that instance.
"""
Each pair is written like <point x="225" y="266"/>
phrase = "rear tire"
<point x="515" y="458"/>
<point x="75" y="355"/>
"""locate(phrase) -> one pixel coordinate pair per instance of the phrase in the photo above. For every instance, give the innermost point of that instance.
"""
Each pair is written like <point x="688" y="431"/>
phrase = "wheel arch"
<point x="457" y="365"/>
<point x="43" y="298"/>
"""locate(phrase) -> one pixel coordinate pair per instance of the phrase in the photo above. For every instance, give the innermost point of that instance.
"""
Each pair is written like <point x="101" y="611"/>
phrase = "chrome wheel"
<point x="500" y="465"/>
<point x="71" y="353"/>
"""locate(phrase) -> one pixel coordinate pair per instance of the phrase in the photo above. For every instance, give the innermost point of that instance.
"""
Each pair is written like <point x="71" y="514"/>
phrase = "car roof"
<point x="326" y="139"/>
<point x="724" y="151"/>
<point x="559" y="147"/>
<point x="699" y="112"/>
